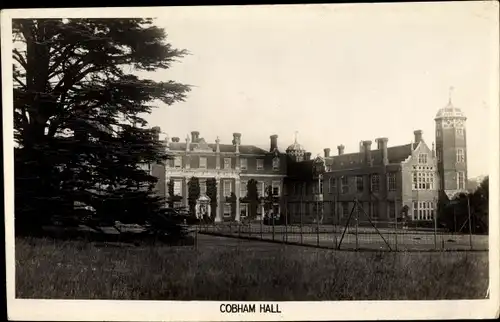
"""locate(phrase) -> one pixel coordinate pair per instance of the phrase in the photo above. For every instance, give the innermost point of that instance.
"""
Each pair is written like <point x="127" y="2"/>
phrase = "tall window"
<point x="391" y="181"/>
<point x="374" y="209"/>
<point x="422" y="158"/>
<point x="392" y="209"/>
<point x="345" y="184"/>
<point x="203" y="162"/>
<point x="438" y="154"/>
<point x="423" y="180"/>
<point x="227" y="163"/>
<point x="276" y="164"/>
<point x="243" y="164"/>
<point x="461" y="180"/>
<point x="423" y="210"/>
<point x="359" y="183"/>
<point x="243" y="188"/>
<point x="178" y="187"/>
<point x="375" y="182"/>
<point x="333" y="185"/>
<point x="276" y="185"/>
<point x="243" y="210"/>
<point x="227" y="210"/>
<point x="260" y="164"/>
<point x="460" y="132"/>
<point x="460" y="156"/>
<point x="345" y="209"/>
<point x="320" y="184"/>
<point x="438" y="133"/>
<point x="178" y="162"/>
<point x="203" y="187"/>
<point x="227" y="188"/>
<point x="260" y="188"/>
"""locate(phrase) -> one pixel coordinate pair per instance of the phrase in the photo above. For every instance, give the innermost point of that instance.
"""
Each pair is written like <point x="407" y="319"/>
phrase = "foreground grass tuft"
<point x="78" y="270"/>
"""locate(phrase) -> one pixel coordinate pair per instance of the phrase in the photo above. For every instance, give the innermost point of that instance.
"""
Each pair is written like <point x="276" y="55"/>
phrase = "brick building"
<point x="382" y="179"/>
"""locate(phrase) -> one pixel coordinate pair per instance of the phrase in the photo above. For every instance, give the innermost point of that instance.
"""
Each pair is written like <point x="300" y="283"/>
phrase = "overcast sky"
<point x="335" y="74"/>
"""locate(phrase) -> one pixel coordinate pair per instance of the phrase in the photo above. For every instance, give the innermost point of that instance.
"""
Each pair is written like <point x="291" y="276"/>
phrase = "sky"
<point x="337" y="74"/>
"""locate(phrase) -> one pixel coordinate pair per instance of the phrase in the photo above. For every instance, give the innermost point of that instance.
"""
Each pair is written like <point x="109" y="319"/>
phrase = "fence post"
<point x="396" y="224"/>
<point x="435" y="230"/>
<point x="286" y="221"/>
<point x="470" y="222"/>
<point x="261" y="221"/>
<point x="357" y="221"/>
<point x="300" y="211"/>
<point x="317" y="223"/>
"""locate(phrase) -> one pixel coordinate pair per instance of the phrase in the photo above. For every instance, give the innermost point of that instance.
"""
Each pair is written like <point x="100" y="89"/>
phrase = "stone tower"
<point x="451" y="149"/>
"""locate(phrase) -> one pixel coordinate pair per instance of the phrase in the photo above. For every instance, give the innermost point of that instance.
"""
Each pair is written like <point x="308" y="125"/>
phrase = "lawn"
<point x="234" y="269"/>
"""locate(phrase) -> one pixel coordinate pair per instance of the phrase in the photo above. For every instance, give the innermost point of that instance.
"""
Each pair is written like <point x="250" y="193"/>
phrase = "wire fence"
<point x="352" y="231"/>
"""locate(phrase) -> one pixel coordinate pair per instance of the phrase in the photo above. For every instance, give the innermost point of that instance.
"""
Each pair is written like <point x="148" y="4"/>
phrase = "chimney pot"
<point x="382" y="145"/>
<point x="175" y="139"/>
<point x="327" y="152"/>
<point x="367" y="145"/>
<point x="341" y="149"/>
<point x="236" y="138"/>
<point x="195" y="135"/>
<point x="307" y="155"/>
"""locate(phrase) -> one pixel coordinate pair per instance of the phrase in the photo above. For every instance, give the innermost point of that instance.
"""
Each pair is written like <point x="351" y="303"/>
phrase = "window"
<point x="345" y="185"/>
<point x="359" y="183"/>
<point x="260" y="164"/>
<point x="243" y="188"/>
<point x="203" y="162"/>
<point x="320" y="184"/>
<point x="438" y="154"/>
<point x="227" y="188"/>
<point x="260" y="188"/>
<point x="460" y="132"/>
<point x="375" y="182"/>
<point x="203" y="187"/>
<point x="422" y="158"/>
<point x="391" y="181"/>
<point x="178" y="187"/>
<point x="438" y="133"/>
<point x="276" y="188"/>
<point x="333" y="184"/>
<point x="460" y="156"/>
<point x="423" y="210"/>
<point x="227" y="210"/>
<point x="392" y="210"/>
<point x="243" y="164"/>
<point x="345" y="209"/>
<point x="374" y="209"/>
<point x="243" y="210"/>
<point x="145" y="167"/>
<point x="178" y="162"/>
<point x="423" y="180"/>
<point x="227" y="163"/>
<point x="461" y="180"/>
<point x="177" y="204"/>
<point x="276" y="164"/>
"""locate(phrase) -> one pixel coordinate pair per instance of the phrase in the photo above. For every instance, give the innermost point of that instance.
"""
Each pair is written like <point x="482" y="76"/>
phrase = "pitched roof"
<point x="244" y="149"/>
<point x="395" y="154"/>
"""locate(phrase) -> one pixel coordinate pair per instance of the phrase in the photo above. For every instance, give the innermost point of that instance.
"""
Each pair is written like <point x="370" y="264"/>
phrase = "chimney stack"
<point x="274" y="142"/>
<point x="195" y="135"/>
<point x="418" y="136"/>
<point x="341" y="149"/>
<point x="382" y="145"/>
<point x="367" y="148"/>
<point x="327" y="152"/>
<point x="361" y="147"/>
<point x="175" y="139"/>
<point x="156" y="132"/>
<point x="307" y="156"/>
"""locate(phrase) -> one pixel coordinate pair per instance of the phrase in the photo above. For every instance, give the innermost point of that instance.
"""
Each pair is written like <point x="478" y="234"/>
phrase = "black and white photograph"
<point x="256" y="162"/>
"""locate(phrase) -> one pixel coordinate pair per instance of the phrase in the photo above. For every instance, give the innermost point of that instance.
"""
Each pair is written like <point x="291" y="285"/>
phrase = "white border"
<point x="76" y="310"/>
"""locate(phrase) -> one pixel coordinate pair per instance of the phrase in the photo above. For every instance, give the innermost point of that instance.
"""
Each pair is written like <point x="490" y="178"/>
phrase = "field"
<point x="221" y="268"/>
<point x="364" y="238"/>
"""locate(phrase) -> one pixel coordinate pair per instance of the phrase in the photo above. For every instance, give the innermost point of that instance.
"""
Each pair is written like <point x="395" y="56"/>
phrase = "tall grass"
<point x="77" y="270"/>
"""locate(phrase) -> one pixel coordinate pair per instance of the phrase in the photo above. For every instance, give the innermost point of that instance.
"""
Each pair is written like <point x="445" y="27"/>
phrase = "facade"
<point x="386" y="181"/>
<point x="230" y="166"/>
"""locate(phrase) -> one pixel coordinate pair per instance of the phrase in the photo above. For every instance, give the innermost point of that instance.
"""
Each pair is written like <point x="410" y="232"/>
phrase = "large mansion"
<point x="382" y="179"/>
